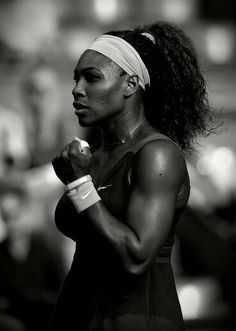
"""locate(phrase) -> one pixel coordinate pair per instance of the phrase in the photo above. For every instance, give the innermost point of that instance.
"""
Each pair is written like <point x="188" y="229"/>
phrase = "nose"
<point x="78" y="90"/>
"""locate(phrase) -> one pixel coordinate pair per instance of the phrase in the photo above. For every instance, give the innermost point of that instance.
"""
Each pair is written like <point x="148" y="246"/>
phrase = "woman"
<point x="125" y="195"/>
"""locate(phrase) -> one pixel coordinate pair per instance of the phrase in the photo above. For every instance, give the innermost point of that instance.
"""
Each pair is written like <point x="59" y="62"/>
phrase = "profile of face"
<point x="99" y="89"/>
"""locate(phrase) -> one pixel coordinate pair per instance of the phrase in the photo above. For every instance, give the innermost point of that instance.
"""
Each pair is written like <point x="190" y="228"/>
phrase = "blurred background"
<point x="40" y="42"/>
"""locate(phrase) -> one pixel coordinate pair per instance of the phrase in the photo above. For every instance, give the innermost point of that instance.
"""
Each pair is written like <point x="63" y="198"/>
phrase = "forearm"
<point x="122" y="238"/>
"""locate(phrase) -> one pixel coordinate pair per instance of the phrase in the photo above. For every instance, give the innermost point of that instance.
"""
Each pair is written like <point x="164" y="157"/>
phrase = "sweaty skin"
<point x="121" y="276"/>
<point x="160" y="183"/>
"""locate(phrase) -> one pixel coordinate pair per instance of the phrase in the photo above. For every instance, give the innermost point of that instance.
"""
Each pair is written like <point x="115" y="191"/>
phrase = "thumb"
<point x="84" y="146"/>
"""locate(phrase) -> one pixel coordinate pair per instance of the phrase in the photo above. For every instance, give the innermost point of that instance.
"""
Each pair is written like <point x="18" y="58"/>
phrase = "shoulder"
<point x="160" y="160"/>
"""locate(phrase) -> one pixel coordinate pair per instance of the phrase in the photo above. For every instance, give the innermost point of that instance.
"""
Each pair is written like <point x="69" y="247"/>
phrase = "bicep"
<point x="150" y="216"/>
<point x="152" y="202"/>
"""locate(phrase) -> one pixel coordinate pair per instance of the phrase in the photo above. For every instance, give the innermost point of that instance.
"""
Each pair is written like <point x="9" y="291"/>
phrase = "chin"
<point x="86" y="124"/>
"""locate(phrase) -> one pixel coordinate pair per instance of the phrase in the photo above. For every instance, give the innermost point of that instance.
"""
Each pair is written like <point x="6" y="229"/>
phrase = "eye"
<point x="91" y="77"/>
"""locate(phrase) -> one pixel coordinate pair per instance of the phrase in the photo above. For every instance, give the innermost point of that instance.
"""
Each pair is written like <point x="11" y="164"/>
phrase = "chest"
<point x="109" y="172"/>
<point x="104" y="162"/>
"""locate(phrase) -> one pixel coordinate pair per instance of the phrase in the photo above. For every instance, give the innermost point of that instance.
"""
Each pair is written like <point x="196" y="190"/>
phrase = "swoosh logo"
<point x="103" y="187"/>
<point x="84" y="196"/>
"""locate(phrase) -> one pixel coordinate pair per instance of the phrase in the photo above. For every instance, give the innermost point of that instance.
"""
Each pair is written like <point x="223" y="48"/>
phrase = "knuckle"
<point x="73" y="152"/>
<point x="73" y="148"/>
<point x="64" y="154"/>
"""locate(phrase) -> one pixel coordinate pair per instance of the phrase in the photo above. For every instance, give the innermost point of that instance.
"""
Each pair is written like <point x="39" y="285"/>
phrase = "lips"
<point x="79" y="105"/>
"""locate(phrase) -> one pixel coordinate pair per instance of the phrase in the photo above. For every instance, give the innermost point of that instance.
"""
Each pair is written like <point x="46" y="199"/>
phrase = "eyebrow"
<point x="87" y="69"/>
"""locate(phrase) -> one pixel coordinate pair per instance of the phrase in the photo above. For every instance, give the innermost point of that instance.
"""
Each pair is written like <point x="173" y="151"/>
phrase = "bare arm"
<point x="157" y="174"/>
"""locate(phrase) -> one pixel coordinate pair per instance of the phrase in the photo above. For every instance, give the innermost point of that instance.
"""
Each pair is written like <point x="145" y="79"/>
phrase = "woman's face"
<point x="98" y="92"/>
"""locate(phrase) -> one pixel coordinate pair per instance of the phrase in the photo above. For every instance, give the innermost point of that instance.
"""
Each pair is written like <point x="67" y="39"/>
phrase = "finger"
<point x="76" y="151"/>
<point x="65" y="153"/>
<point x="85" y="150"/>
<point x="61" y="164"/>
<point x="55" y="161"/>
<point x="62" y="169"/>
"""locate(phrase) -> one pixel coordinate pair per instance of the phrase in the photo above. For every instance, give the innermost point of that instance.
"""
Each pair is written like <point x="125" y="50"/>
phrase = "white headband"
<point x="123" y="54"/>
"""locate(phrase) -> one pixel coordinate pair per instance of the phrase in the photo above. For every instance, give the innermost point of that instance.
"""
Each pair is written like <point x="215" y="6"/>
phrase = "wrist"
<point x="77" y="182"/>
<point x="82" y="193"/>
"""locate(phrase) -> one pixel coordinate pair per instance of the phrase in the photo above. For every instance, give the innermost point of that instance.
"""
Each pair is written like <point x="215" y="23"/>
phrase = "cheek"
<point x="107" y="100"/>
<point x="110" y="97"/>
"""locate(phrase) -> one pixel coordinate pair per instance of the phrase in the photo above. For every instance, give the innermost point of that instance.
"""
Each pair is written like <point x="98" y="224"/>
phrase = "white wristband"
<point x="77" y="182"/>
<point x="84" y="196"/>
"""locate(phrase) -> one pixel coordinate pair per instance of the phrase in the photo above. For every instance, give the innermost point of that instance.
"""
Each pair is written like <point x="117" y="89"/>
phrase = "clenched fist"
<point x="73" y="162"/>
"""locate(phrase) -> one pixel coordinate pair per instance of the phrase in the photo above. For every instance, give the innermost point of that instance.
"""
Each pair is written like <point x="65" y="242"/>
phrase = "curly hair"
<point x="176" y="102"/>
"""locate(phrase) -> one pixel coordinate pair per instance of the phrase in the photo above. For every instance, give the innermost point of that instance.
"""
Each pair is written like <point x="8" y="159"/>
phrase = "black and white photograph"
<point x="117" y="165"/>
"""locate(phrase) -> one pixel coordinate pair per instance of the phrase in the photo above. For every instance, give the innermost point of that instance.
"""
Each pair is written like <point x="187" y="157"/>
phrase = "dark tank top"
<point x="97" y="293"/>
<point x="114" y="189"/>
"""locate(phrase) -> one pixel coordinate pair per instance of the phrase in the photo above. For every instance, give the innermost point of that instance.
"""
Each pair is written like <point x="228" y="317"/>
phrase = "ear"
<point x="131" y="85"/>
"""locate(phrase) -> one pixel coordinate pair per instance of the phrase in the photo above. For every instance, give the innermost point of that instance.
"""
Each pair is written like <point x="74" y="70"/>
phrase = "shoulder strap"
<point x="153" y="136"/>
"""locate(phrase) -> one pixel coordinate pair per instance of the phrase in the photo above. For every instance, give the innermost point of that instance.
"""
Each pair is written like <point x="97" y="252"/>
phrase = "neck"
<point x="123" y="129"/>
